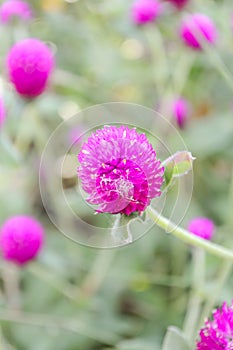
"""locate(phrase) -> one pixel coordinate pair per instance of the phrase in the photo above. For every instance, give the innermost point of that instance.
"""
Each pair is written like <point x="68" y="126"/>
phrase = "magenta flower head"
<point x="202" y="227"/>
<point x="217" y="333"/>
<point x="30" y="63"/>
<point x="119" y="170"/>
<point x="180" y="111"/>
<point x="21" y="238"/>
<point x="15" y="9"/>
<point x="196" y="29"/>
<point x="145" y="11"/>
<point x="179" y="4"/>
<point x="2" y="112"/>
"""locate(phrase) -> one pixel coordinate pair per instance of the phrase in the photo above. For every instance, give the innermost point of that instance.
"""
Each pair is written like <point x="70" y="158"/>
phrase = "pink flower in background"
<point x="75" y="134"/>
<point x="179" y="4"/>
<point x="217" y="334"/>
<point x="144" y="11"/>
<point x="15" y="9"/>
<point x="180" y="111"/>
<point x="197" y="28"/>
<point x="21" y="239"/>
<point x="202" y="227"/>
<point x="119" y="170"/>
<point x="30" y="63"/>
<point x="2" y="112"/>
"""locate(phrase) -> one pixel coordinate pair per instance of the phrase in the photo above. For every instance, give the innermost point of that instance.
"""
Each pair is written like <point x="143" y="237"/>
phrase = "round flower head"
<point x="180" y="111"/>
<point x="2" y="112"/>
<point x="15" y="9"/>
<point x="179" y="4"/>
<point x="144" y="11"/>
<point x="202" y="227"/>
<point x="119" y="170"/>
<point x="217" y="334"/>
<point x="29" y="65"/>
<point x="197" y="28"/>
<point x="21" y="238"/>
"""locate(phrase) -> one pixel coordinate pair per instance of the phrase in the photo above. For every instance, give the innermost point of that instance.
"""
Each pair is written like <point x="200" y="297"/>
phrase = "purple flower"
<point x="217" y="334"/>
<point x="15" y="8"/>
<point x="2" y="112"/>
<point x="144" y="11"/>
<point x="30" y="63"/>
<point x="179" y="4"/>
<point x="119" y="170"/>
<point x="197" y="28"/>
<point x="21" y="238"/>
<point x="180" y="111"/>
<point x="202" y="227"/>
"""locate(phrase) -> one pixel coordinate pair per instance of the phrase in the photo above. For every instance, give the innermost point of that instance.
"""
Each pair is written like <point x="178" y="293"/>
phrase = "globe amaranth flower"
<point x="30" y="63"/>
<point x="217" y="334"/>
<point x="21" y="239"/>
<point x="119" y="170"/>
<point x="144" y="11"/>
<point x="179" y="4"/>
<point x="198" y="28"/>
<point x="180" y="111"/>
<point x="15" y="9"/>
<point x="202" y="227"/>
<point x="2" y="112"/>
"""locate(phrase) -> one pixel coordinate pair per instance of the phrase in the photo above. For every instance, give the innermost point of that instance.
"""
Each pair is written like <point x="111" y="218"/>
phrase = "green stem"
<point x="196" y="297"/>
<point x="11" y="282"/>
<point x="72" y="325"/>
<point x="188" y="237"/>
<point x="61" y="286"/>
<point x="2" y="341"/>
<point x="9" y="147"/>
<point x="212" y="297"/>
<point x="98" y="272"/>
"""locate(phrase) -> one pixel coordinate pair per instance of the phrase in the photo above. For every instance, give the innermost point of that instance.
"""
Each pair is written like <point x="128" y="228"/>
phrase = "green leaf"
<point x="175" y="340"/>
<point x="179" y="164"/>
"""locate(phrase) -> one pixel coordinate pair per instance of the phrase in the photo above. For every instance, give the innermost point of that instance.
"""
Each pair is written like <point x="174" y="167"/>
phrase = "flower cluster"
<point x="2" y="112"/>
<point x="217" y="333"/>
<point x="30" y="63"/>
<point x="145" y="11"/>
<point x="21" y="239"/>
<point x="15" y="9"/>
<point x="202" y="227"/>
<point x="119" y="170"/>
<point x="180" y="111"/>
<point x="179" y="4"/>
<point x="196" y="29"/>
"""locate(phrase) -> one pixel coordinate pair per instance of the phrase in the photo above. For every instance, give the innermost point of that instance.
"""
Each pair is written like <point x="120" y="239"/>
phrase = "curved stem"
<point x="188" y="237"/>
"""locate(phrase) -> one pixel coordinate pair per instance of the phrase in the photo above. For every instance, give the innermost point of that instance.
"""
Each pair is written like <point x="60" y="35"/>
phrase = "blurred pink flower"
<point x="119" y="170"/>
<point x="2" y="112"/>
<point x="180" y="111"/>
<point x="197" y="28"/>
<point x="217" y="334"/>
<point x="202" y="227"/>
<point x="144" y="11"/>
<point x="30" y="63"/>
<point x="15" y="9"/>
<point x="75" y="134"/>
<point x="179" y="4"/>
<point x="21" y="239"/>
